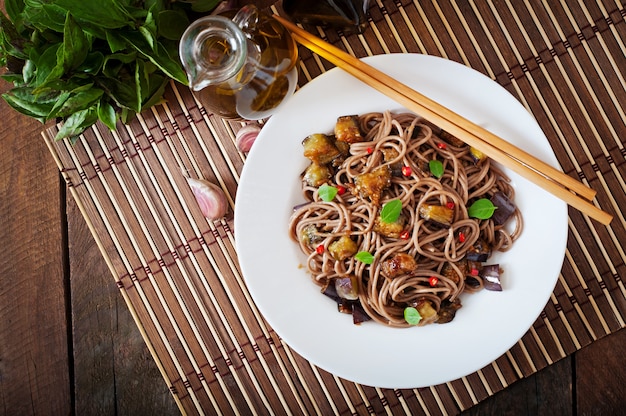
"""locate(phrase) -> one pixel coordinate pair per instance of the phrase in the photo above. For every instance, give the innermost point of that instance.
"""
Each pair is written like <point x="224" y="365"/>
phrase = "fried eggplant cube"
<point x="390" y="154"/>
<point x="347" y="129"/>
<point x="347" y="287"/>
<point x="320" y="148"/>
<point x="398" y="265"/>
<point x="447" y="311"/>
<point x="316" y="175"/>
<point x="437" y="213"/>
<point x="342" y="248"/>
<point x="310" y="236"/>
<point x="390" y="229"/>
<point x="450" y="138"/>
<point x="480" y="251"/>
<point x="451" y="273"/>
<point x="372" y="184"/>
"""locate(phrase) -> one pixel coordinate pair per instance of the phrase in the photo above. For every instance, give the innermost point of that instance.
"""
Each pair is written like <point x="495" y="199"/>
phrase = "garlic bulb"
<point x="210" y="197"/>
<point x="246" y="136"/>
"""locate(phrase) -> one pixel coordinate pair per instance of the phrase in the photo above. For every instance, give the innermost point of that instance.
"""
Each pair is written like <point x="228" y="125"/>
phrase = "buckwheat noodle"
<point x="416" y="142"/>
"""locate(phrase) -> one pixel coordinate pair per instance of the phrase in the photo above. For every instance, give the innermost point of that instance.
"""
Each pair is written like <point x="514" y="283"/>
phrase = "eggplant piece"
<point x="347" y="287"/>
<point x="426" y="310"/>
<point x="344" y="306"/>
<point x="390" y="229"/>
<point x="372" y="184"/>
<point x="316" y="175"/>
<point x="398" y="265"/>
<point x="453" y="140"/>
<point x="330" y="291"/>
<point x="449" y="271"/>
<point x="390" y="154"/>
<point x="342" y="248"/>
<point x="477" y="155"/>
<point x="480" y="251"/>
<point x="447" y="311"/>
<point x="437" y="213"/>
<point x="491" y="277"/>
<point x="347" y="129"/>
<point x="310" y="236"/>
<point x="505" y="208"/>
<point x="358" y="314"/>
<point x="320" y="148"/>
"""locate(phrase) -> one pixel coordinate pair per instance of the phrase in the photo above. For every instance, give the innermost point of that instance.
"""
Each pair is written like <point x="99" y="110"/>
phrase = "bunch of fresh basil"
<point x="81" y="61"/>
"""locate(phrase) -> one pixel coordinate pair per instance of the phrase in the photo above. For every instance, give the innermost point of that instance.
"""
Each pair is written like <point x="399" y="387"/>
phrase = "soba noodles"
<point x="415" y="261"/>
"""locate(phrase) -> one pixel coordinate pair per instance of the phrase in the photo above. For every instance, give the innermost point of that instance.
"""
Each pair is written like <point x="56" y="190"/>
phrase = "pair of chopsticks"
<point x="573" y="192"/>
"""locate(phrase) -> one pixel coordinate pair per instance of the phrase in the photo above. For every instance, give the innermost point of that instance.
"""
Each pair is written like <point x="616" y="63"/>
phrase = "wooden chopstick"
<point x="552" y="180"/>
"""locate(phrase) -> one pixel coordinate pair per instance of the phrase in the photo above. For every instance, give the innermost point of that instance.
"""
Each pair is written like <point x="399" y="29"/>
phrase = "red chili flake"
<point x="341" y="190"/>
<point x="474" y="272"/>
<point x="320" y="249"/>
<point x="433" y="280"/>
<point x="442" y="145"/>
<point x="407" y="171"/>
<point x="450" y="205"/>
<point x="405" y="235"/>
<point x="461" y="237"/>
<point x="369" y="150"/>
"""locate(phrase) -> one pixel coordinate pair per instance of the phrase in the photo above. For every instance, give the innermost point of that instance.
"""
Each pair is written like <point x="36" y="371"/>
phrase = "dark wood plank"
<point x="113" y="370"/>
<point x="600" y="379"/>
<point x="34" y="364"/>
<point x="547" y="392"/>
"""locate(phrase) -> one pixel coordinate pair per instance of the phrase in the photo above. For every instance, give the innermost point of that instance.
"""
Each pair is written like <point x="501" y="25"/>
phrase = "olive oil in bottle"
<point x="240" y="66"/>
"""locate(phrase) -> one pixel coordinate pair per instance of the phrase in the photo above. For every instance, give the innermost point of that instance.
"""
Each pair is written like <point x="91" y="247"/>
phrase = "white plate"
<point x="487" y="325"/>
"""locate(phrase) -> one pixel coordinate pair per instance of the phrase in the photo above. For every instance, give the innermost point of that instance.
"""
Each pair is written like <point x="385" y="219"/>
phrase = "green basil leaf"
<point x="482" y="209"/>
<point x="364" y="257"/>
<point x="141" y="83"/>
<point x="114" y="63"/>
<point x="17" y="79"/>
<point x="61" y="99"/>
<point x="156" y="5"/>
<point x="75" y="44"/>
<point x="159" y="57"/>
<point x="327" y="193"/>
<point x="127" y="115"/>
<point x="116" y="42"/>
<point x="46" y="64"/>
<point x="92" y="63"/>
<point x="149" y="30"/>
<point x="29" y="71"/>
<point x="28" y="94"/>
<point x="172" y="24"/>
<point x="38" y="111"/>
<point x="14" y="9"/>
<point x="11" y="43"/>
<point x="106" y="114"/>
<point x="436" y="168"/>
<point x="45" y="16"/>
<point x="391" y="211"/>
<point x="156" y="91"/>
<point x="77" y="123"/>
<point x="412" y="316"/>
<point x="79" y="101"/>
<point x="122" y="92"/>
<point x="107" y="14"/>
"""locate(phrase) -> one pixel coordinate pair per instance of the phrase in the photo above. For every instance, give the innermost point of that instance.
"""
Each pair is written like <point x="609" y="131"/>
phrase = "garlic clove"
<point x="210" y="197"/>
<point x="246" y="136"/>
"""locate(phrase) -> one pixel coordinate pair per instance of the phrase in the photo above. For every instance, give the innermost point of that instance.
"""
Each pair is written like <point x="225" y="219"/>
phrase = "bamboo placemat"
<point x="179" y="273"/>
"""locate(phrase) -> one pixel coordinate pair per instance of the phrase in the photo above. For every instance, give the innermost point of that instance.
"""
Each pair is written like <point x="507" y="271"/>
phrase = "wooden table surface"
<point x="69" y="346"/>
